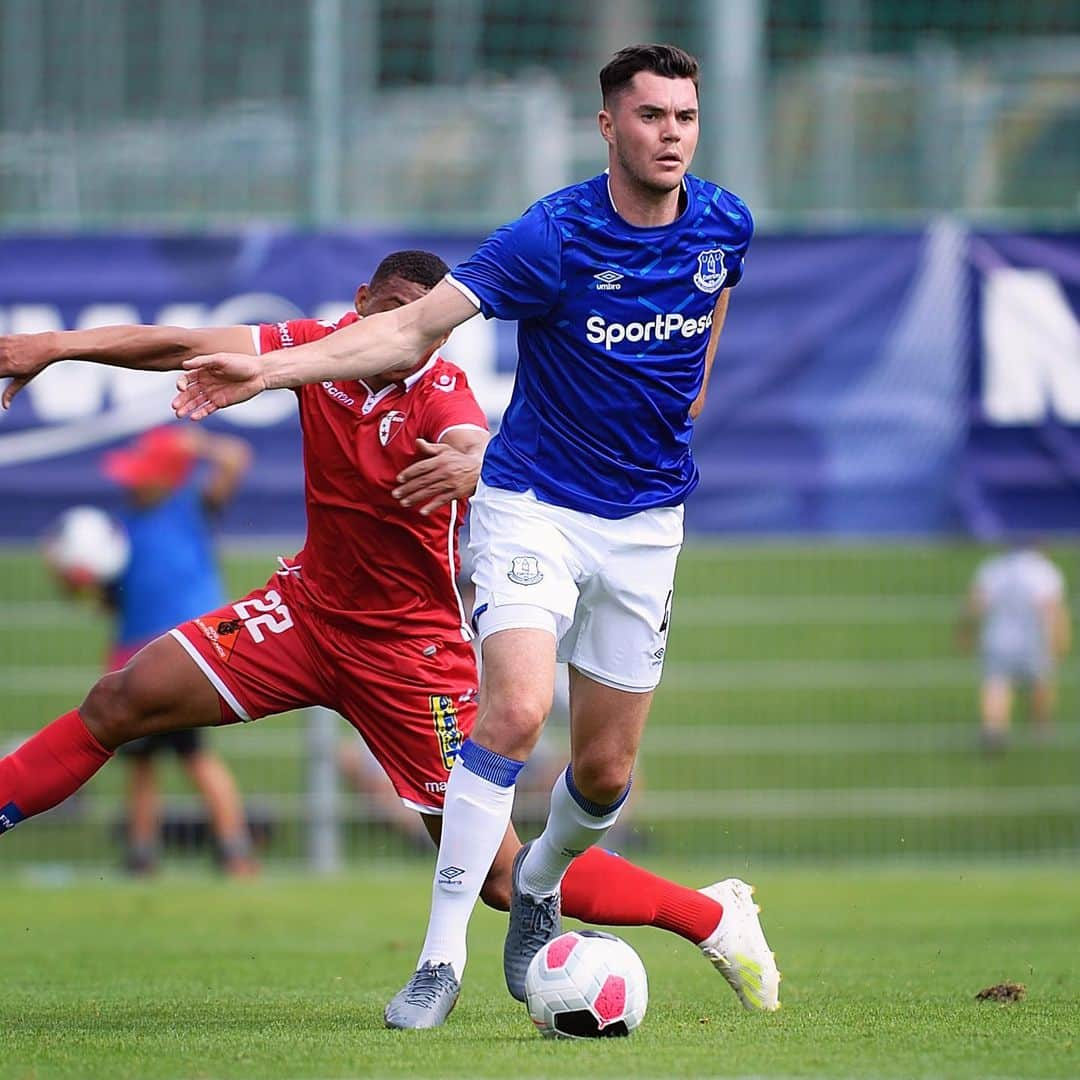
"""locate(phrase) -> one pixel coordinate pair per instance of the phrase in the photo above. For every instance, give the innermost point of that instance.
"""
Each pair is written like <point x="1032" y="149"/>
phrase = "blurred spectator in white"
<point x="1017" y="605"/>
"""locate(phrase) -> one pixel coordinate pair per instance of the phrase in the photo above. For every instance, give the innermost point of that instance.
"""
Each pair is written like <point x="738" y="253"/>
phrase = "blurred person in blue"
<point x="1016" y="604"/>
<point x="172" y="575"/>
<point x="619" y="286"/>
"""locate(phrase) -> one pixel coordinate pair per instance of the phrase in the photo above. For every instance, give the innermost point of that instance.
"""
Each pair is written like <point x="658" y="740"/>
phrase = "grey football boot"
<point x="426" y="1000"/>
<point x="534" y="921"/>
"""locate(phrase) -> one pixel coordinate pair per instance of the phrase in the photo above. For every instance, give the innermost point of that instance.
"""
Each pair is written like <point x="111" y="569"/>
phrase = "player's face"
<point x="388" y="295"/>
<point x="651" y="128"/>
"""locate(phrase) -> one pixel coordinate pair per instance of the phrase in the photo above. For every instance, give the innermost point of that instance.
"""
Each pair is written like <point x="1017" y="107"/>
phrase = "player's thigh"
<point x="415" y="704"/>
<point x="159" y="690"/>
<point x="620" y="630"/>
<point x="260" y="654"/>
<point x="517" y="687"/>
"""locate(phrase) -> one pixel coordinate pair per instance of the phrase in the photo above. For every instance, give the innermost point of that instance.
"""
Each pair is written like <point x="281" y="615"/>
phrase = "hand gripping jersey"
<point x="613" y="324"/>
<point x="369" y="563"/>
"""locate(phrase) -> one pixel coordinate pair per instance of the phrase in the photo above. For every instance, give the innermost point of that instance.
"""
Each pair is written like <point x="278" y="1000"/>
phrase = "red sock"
<point x="47" y="768"/>
<point x="607" y="890"/>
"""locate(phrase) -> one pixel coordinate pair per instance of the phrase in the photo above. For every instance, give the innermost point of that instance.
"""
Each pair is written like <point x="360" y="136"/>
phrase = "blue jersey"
<point x="613" y="324"/>
<point x="171" y="576"/>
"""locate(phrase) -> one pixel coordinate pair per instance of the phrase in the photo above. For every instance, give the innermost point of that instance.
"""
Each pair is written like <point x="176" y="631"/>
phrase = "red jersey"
<point x="368" y="563"/>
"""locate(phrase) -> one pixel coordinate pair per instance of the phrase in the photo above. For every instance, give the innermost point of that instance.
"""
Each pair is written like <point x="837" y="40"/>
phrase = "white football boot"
<point x="737" y="947"/>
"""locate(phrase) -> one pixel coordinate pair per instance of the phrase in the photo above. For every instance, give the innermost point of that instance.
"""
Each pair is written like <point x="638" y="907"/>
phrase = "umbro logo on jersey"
<point x="390" y="425"/>
<point x="446" y="383"/>
<point x="711" y="271"/>
<point x="608" y="280"/>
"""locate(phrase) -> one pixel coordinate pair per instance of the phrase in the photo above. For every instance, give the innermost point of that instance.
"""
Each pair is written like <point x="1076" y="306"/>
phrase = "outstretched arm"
<point x="719" y="315"/>
<point x="391" y="339"/>
<point x="145" y="348"/>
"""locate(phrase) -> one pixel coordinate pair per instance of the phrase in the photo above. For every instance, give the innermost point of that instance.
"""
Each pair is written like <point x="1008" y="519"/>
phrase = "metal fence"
<point x="813" y="707"/>
<point x="460" y="112"/>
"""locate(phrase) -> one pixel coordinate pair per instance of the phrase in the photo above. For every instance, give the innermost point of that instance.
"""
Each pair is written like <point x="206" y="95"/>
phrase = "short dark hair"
<point x="667" y="60"/>
<point x="420" y="267"/>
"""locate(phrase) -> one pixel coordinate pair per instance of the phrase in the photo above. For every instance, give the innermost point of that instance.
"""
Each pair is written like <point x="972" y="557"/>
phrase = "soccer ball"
<point x="85" y="546"/>
<point x="586" y="985"/>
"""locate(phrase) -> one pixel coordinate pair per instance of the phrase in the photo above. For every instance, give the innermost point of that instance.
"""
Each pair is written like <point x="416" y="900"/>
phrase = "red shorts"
<point x="413" y="700"/>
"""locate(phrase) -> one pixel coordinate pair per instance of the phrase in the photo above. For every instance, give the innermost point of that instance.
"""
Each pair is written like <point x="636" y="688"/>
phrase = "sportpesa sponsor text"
<point x="662" y="327"/>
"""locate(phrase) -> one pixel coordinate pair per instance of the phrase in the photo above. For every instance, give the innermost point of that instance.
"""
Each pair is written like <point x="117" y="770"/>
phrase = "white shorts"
<point x="602" y="587"/>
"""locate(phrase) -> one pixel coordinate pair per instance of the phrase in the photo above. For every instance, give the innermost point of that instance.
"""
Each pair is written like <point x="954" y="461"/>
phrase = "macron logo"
<point x="338" y="394"/>
<point x="608" y="280"/>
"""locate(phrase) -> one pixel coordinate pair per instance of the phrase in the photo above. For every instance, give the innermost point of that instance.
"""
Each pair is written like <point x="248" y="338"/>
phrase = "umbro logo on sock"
<point x="450" y="874"/>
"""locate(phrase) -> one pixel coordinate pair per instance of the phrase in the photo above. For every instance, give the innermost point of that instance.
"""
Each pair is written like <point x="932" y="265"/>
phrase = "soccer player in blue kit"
<point x="620" y="288"/>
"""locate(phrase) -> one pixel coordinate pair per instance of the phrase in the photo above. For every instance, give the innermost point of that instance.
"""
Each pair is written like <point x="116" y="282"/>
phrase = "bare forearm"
<point x="719" y="317"/>
<point x="375" y="344"/>
<point x="144" y="348"/>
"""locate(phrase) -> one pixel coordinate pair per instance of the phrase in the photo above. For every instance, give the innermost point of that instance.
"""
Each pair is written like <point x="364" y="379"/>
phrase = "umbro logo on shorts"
<point x="525" y="570"/>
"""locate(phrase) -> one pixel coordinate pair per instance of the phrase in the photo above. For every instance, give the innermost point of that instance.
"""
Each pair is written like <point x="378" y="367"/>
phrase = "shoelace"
<point x="425" y="985"/>
<point x="541" y="922"/>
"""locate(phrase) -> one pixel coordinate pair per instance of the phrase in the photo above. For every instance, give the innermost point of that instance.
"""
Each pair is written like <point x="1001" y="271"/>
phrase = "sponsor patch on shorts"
<point x="222" y="635"/>
<point x="444" y="715"/>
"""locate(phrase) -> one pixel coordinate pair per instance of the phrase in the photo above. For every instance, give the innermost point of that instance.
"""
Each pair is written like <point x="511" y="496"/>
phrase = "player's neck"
<point x="641" y="206"/>
<point x="375" y="383"/>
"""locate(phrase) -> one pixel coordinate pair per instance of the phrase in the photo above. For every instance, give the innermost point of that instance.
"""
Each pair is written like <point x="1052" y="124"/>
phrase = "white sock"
<point x="573" y="825"/>
<point x="479" y="798"/>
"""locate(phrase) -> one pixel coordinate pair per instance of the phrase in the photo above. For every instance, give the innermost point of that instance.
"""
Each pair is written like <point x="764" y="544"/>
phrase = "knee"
<point x="512" y="726"/>
<point x="602" y="781"/>
<point x="112" y="711"/>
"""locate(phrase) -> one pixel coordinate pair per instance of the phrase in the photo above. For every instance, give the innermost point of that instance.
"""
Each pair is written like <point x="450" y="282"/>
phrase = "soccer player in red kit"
<point x="365" y="619"/>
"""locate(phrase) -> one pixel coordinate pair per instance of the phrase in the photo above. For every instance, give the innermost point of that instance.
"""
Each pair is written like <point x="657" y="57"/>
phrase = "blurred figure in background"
<point x="171" y="575"/>
<point x="1017" y="603"/>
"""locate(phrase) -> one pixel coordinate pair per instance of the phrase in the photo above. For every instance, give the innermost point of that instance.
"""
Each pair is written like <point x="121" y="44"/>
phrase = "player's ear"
<point x="360" y="300"/>
<point x="607" y="125"/>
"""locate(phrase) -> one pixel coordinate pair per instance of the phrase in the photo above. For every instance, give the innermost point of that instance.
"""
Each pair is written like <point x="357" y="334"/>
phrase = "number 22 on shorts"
<point x="274" y="615"/>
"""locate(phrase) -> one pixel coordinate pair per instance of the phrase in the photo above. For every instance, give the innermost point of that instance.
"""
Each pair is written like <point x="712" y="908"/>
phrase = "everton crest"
<point x="525" y="570"/>
<point x="711" y="271"/>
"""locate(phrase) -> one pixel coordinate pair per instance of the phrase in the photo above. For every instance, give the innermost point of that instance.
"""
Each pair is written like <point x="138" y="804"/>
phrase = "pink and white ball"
<point x="586" y="985"/>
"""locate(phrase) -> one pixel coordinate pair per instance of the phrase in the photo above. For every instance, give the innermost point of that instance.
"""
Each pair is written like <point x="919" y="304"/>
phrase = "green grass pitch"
<point x="287" y="978"/>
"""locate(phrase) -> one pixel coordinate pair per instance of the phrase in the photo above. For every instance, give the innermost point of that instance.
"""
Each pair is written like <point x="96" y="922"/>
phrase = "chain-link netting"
<point x="462" y="111"/>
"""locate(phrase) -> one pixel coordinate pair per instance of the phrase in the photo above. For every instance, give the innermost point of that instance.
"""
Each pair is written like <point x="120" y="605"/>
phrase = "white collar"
<point x="408" y="382"/>
<point x="411" y="380"/>
<point x="611" y="197"/>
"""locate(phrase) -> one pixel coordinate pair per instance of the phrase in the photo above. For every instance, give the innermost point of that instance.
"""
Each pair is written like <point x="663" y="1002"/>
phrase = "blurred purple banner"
<point x="870" y="383"/>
